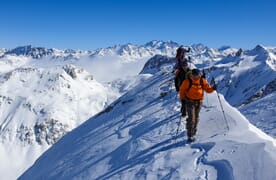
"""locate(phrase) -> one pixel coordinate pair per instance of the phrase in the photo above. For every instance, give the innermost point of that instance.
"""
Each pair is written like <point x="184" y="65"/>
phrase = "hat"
<point x="195" y="72"/>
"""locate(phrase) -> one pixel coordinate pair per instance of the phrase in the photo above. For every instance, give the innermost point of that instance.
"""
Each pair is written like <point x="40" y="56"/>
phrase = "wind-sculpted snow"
<point x="135" y="138"/>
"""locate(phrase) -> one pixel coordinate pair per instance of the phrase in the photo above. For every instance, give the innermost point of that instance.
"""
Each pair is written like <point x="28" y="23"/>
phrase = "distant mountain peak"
<point x="222" y="48"/>
<point x="198" y="45"/>
<point x="160" y="43"/>
<point x="20" y="50"/>
<point x="260" y="48"/>
<point x="28" y="50"/>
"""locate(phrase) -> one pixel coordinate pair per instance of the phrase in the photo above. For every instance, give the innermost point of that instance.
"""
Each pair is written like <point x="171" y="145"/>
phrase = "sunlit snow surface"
<point x="45" y="93"/>
<point x="135" y="138"/>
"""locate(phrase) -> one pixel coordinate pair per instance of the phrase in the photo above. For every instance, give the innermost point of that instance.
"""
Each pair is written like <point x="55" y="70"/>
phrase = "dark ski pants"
<point x="193" y="109"/>
<point x="183" y="108"/>
<point x="176" y="84"/>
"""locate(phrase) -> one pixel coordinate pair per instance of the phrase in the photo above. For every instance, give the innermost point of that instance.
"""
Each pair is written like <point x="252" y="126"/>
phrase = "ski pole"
<point x="171" y="89"/>
<point x="176" y="96"/>
<point x="177" y="131"/>
<point x="204" y="76"/>
<point x="213" y="81"/>
<point x="207" y="101"/>
<point x="189" y="61"/>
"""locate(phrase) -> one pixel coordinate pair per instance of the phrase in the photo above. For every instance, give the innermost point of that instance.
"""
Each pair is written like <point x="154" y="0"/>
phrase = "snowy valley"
<point x="46" y="93"/>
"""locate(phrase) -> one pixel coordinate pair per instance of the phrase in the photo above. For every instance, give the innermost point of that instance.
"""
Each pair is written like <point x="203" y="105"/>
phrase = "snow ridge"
<point x="135" y="137"/>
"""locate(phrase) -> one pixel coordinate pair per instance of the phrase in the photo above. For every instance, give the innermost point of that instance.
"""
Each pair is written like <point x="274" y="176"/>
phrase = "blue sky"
<point x="87" y="25"/>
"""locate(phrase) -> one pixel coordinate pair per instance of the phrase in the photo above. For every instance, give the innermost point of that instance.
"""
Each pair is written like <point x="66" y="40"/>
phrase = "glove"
<point x="214" y="87"/>
<point x="176" y="72"/>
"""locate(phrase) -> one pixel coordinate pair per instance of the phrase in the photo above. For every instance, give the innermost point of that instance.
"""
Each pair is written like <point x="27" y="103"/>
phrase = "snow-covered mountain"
<point x="205" y="56"/>
<point x="248" y="81"/>
<point x="250" y="71"/>
<point x="135" y="138"/>
<point x="39" y="106"/>
<point x="127" y="52"/>
<point x="46" y="92"/>
<point x="35" y="52"/>
<point x="119" y="60"/>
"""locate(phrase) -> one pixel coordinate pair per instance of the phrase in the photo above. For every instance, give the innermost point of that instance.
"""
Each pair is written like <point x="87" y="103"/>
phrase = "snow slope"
<point x="38" y="106"/>
<point x="45" y="93"/>
<point x="248" y="81"/>
<point x="135" y="138"/>
<point x="262" y="113"/>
